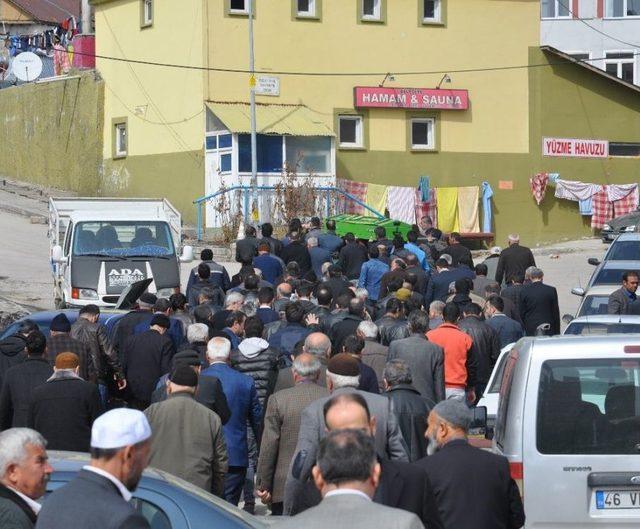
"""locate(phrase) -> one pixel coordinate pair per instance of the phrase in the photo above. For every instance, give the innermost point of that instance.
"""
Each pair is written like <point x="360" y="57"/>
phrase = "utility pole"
<point x="252" y="102"/>
<point x="85" y="11"/>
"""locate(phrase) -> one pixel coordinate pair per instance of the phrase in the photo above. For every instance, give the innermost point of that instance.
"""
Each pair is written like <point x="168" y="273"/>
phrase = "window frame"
<point x="437" y="19"/>
<point x="557" y="4"/>
<point x="311" y="13"/>
<point x="373" y="19"/>
<point x="230" y="12"/>
<point x="624" y="11"/>
<point x="146" y="22"/>
<point x="431" y="133"/>
<point x="359" y="144"/>
<point x="116" y="125"/>
<point x="619" y="61"/>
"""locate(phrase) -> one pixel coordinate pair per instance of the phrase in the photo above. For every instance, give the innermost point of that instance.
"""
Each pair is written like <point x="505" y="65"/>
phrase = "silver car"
<point x="569" y="423"/>
<point x="603" y="324"/>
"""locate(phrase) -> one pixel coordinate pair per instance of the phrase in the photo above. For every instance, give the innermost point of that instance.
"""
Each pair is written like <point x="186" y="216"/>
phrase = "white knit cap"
<point x="119" y="428"/>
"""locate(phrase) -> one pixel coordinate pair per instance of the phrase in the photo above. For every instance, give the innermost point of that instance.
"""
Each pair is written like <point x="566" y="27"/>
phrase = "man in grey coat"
<point x="343" y="376"/>
<point x="24" y="472"/>
<point x="347" y="474"/>
<point x="425" y="359"/>
<point x="187" y="437"/>
<point x="621" y="300"/>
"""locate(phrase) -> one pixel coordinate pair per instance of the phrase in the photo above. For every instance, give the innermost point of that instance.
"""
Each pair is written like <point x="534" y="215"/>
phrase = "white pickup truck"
<point x="99" y="246"/>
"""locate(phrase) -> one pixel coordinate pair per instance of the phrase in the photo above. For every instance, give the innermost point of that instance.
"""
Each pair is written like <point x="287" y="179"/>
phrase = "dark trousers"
<point x="277" y="508"/>
<point x="234" y="483"/>
<point x="249" y="486"/>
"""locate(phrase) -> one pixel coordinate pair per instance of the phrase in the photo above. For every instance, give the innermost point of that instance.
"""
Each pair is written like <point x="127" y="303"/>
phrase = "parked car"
<point x="492" y="392"/>
<point x="594" y="300"/>
<point x="166" y="501"/>
<point x="625" y="247"/>
<point x="569" y="421"/>
<point x="603" y="324"/>
<point x="625" y="224"/>
<point x="610" y="272"/>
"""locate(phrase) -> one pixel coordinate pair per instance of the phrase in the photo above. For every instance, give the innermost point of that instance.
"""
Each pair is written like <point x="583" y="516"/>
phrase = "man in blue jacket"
<point x="371" y="273"/>
<point x="240" y="391"/>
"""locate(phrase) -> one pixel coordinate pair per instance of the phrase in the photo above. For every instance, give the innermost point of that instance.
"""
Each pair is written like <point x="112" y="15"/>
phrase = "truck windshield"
<point x="123" y="239"/>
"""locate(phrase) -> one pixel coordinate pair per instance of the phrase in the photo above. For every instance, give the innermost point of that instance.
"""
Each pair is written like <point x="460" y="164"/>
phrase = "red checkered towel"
<point x="538" y="186"/>
<point x="427" y="209"/>
<point x="604" y="210"/>
<point x="356" y="189"/>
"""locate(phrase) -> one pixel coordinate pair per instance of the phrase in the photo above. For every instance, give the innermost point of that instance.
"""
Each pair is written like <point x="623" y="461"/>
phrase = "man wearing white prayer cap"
<point x="99" y="495"/>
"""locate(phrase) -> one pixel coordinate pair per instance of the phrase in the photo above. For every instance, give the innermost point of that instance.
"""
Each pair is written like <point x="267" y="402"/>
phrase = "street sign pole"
<point x="252" y="100"/>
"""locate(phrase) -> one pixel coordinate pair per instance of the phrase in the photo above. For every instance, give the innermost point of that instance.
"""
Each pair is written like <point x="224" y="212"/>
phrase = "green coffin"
<point x="362" y="227"/>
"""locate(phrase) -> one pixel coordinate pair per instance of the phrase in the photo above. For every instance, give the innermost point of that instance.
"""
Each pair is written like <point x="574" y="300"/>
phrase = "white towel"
<point x="401" y="202"/>
<point x="619" y="191"/>
<point x="571" y="190"/>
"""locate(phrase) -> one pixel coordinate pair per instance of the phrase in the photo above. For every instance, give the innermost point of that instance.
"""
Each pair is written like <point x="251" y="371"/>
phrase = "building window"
<point x="620" y="64"/>
<point x="239" y="6"/>
<point x="268" y="153"/>
<point x="431" y="10"/>
<point x="422" y="134"/>
<point x="624" y="149"/>
<point x="350" y="131"/>
<point x="371" y="10"/>
<point x="147" y="13"/>
<point x="555" y="8"/>
<point x="120" y="141"/>
<point x="309" y="154"/>
<point x="622" y="8"/>
<point x="306" y="8"/>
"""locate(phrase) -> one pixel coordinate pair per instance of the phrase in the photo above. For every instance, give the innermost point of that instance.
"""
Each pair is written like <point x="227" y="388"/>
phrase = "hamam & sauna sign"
<point x="414" y="98"/>
<point x="573" y="148"/>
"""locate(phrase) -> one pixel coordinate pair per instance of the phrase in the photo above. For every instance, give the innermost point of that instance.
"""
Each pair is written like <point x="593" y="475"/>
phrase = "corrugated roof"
<point x="294" y="120"/>
<point x="49" y="10"/>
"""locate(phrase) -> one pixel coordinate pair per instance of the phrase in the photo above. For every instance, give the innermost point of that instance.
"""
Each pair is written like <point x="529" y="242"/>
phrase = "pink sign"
<point x="573" y="148"/>
<point x="415" y="98"/>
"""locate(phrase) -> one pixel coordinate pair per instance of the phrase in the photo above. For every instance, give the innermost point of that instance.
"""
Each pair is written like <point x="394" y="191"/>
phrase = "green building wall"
<point x="51" y="133"/>
<point x="566" y="101"/>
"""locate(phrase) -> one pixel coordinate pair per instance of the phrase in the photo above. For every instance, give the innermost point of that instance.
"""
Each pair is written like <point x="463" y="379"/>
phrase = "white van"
<point x="569" y="423"/>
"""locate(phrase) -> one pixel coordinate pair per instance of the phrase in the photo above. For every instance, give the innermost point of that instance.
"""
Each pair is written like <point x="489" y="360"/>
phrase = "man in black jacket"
<point x="65" y="406"/>
<point x="297" y="251"/>
<point x="410" y="408"/>
<point x="539" y="305"/>
<point x="473" y="487"/>
<point x="61" y="341"/>
<point x="124" y="327"/>
<point x="513" y="260"/>
<point x="459" y="252"/>
<point x="486" y="344"/>
<point x="12" y="348"/>
<point x="21" y="380"/>
<point x="402" y="485"/>
<point x="267" y="236"/>
<point x="147" y="356"/>
<point x="247" y="248"/>
<point x="352" y="256"/>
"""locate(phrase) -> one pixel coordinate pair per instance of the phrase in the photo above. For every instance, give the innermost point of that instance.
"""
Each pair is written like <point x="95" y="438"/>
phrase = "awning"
<point x="293" y="120"/>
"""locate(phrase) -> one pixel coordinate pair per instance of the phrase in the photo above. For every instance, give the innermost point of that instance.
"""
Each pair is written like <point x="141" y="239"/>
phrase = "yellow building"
<point x="179" y="132"/>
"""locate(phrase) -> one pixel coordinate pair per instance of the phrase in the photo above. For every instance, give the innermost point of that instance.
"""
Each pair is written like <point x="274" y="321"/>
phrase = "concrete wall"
<point x="51" y="133"/>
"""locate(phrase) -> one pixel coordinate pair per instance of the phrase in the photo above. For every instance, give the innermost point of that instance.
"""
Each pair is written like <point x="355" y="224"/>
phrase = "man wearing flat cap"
<point x="473" y="487"/>
<point x="61" y="341"/>
<point x="125" y="325"/>
<point x="64" y="407"/>
<point x="147" y="356"/>
<point x="187" y="437"/>
<point x="98" y="497"/>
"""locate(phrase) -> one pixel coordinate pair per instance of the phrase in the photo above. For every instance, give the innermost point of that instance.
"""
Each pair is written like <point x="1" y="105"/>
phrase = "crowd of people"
<point x="331" y="378"/>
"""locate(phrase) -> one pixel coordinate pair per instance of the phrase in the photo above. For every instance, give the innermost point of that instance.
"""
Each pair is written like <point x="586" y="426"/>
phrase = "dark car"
<point x="629" y="223"/>
<point x="165" y="501"/>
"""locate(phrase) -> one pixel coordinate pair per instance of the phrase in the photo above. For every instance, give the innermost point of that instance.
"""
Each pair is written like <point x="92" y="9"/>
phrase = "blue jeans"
<point x="104" y="395"/>
<point x="234" y="483"/>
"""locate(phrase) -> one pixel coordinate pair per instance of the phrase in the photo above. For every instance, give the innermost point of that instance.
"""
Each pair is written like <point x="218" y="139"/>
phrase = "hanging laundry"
<point x="70" y="50"/>
<point x="620" y="191"/>
<point x="553" y="178"/>
<point x="468" y="198"/>
<point x="355" y="189"/>
<point x="377" y="197"/>
<point x="448" y="220"/>
<point x="487" y="213"/>
<point x="602" y="209"/>
<point x="424" y="186"/>
<point x="401" y="202"/>
<point x="61" y="63"/>
<point x="576" y="191"/>
<point x="605" y="209"/>
<point x="628" y="203"/>
<point x="427" y="209"/>
<point x="538" y="186"/>
<point x="586" y="207"/>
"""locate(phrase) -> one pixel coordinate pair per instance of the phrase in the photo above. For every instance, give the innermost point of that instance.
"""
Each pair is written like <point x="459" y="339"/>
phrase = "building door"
<point x="218" y="165"/>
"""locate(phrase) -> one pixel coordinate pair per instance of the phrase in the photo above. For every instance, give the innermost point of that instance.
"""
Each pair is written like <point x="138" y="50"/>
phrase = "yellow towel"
<point x="448" y="209"/>
<point x="377" y="197"/>
<point x="468" y="199"/>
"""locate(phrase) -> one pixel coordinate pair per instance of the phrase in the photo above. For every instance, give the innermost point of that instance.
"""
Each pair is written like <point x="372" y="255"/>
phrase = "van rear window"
<point x="589" y="407"/>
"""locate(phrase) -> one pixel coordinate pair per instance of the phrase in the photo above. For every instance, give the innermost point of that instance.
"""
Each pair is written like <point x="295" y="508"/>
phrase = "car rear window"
<point x="589" y="407"/>
<point x="591" y="328"/>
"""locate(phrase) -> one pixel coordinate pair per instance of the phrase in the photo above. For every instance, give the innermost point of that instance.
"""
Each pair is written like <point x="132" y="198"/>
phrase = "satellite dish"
<point x="27" y="66"/>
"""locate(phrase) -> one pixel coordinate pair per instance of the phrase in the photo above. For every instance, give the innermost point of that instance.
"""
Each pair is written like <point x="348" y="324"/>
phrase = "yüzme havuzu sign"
<point x="415" y="98"/>
<point x="573" y="148"/>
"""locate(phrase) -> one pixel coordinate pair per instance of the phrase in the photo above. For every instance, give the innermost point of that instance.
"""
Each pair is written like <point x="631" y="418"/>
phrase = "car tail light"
<point x="517" y="474"/>
<point x="75" y="293"/>
<point x="632" y="349"/>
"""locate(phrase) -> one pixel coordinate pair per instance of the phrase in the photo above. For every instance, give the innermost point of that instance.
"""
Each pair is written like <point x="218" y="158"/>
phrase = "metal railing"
<point x="247" y="190"/>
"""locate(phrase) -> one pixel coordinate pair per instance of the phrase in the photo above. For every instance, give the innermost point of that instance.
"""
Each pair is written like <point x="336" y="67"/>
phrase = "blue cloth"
<point x="240" y="391"/>
<point x="287" y="337"/>
<point x="370" y="276"/>
<point x="319" y="256"/>
<point x="509" y="331"/>
<point x="419" y="253"/>
<point x="438" y="288"/>
<point x="586" y="206"/>
<point x="487" y="193"/>
<point x="175" y="332"/>
<point x="267" y="315"/>
<point x="553" y="178"/>
<point x="270" y="267"/>
<point x="233" y="338"/>
<point x="425" y="188"/>
<point x="368" y="379"/>
<point x="330" y="241"/>
<point x="234" y="483"/>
